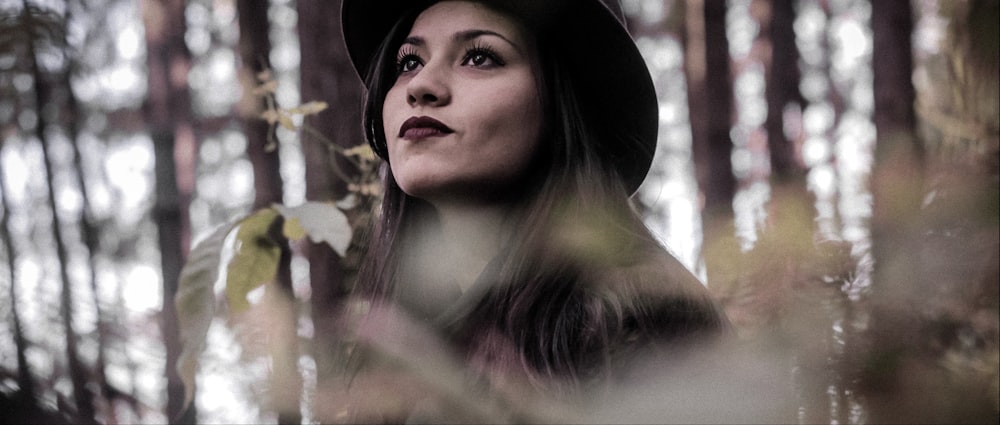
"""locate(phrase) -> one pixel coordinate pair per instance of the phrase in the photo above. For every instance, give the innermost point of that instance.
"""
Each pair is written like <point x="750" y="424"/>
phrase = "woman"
<point x="515" y="132"/>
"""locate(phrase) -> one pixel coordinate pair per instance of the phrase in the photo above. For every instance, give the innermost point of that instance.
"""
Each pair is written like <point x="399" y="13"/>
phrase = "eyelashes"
<point x="480" y="52"/>
<point x="480" y="55"/>
<point x="407" y="58"/>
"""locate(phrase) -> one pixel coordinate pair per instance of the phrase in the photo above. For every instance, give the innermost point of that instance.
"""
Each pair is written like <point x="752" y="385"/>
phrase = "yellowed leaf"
<point x="255" y="261"/>
<point x="310" y="108"/>
<point x="363" y="151"/>
<point x="286" y="121"/>
<point x="292" y="229"/>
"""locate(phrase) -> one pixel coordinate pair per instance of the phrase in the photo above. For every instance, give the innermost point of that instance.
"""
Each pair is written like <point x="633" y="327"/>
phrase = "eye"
<point x="408" y="64"/>
<point x="407" y="61"/>
<point x="482" y="57"/>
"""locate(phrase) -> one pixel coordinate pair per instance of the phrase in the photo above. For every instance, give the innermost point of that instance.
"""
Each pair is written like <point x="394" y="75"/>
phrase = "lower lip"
<point x="422" y="133"/>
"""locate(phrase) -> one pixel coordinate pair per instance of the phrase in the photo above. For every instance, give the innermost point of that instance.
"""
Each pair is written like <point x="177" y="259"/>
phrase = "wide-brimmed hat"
<point x="612" y="85"/>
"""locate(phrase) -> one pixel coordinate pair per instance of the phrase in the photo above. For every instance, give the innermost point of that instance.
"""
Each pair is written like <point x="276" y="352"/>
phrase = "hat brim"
<point x="614" y="84"/>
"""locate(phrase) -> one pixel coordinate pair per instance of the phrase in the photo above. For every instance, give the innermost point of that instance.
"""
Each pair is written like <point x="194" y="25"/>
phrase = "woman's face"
<point x="463" y="119"/>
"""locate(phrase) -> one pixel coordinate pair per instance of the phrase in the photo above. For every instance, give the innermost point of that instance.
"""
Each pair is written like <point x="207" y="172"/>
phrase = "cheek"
<point x="500" y="102"/>
<point x="522" y="123"/>
<point x="391" y="116"/>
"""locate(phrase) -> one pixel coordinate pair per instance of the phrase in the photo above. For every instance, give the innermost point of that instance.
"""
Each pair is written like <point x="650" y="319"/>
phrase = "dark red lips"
<point x="421" y="127"/>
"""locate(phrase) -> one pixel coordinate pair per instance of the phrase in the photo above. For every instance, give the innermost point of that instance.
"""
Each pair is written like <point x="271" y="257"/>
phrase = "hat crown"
<point x="615" y="7"/>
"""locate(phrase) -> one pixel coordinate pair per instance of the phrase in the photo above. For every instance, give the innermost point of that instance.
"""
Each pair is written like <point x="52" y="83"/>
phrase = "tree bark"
<point x="168" y="114"/>
<point x="782" y="73"/>
<point x="897" y="175"/>
<point x="790" y="230"/>
<point x="327" y="75"/>
<point x="25" y="382"/>
<point x="83" y="397"/>
<point x="262" y="149"/>
<point x="255" y="48"/>
<point x="89" y="234"/>
<point x="896" y="190"/>
<point x="838" y="103"/>
<point x="710" y="106"/>
<point x="791" y="211"/>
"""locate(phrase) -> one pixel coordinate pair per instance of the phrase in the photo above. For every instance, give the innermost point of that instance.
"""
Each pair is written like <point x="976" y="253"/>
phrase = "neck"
<point x="471" y="236"/>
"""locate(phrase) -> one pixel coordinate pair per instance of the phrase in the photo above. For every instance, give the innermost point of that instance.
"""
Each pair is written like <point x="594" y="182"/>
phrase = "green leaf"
<point x="323" y="222"/>
<point x="255" y="261"/>
<point x="195" y="303"/>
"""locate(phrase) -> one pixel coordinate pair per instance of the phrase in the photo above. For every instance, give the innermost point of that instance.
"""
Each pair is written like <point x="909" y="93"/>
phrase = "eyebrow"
<point x="462" y="36"/>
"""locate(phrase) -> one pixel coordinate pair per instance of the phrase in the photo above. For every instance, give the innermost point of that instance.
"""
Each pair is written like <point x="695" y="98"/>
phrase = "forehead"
<point x="449" y="17"/>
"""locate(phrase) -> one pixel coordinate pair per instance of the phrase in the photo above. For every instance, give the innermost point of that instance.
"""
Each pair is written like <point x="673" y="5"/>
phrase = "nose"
<point x="429" y="87"/>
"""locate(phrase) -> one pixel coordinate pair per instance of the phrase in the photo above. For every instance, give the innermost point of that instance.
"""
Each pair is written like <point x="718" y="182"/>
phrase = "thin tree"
<point x="254" y="49"/>
<point x="897" y="186"/>
<point x="782" y="90"/>
<point x="25" y="381"/>
<point x="838" y="103"/>
<point x="262" y="149"/>
<point x="168" y="113"/>
<point x="14" y="38"/>
<point x="896" y="189"/>
<point x="784" y="250"/>
<point x="327" y="75"/>
<point x="791" y="212"/>
<point x="91" y="240"/>
<point x="707" y="68"/>
<point x="89" y="233"/>
<point x="44" y="88"/>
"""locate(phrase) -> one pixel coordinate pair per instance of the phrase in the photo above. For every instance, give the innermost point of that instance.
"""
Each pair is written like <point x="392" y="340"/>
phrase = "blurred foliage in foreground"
<point x="825" y="334"/>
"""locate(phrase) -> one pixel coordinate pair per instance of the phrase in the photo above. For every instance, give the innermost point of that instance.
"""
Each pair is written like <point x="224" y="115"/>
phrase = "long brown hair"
<point x="581" y="277"/>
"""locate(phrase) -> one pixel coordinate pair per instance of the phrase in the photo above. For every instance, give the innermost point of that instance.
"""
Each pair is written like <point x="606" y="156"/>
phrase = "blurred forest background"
<point x="828" y="167"/>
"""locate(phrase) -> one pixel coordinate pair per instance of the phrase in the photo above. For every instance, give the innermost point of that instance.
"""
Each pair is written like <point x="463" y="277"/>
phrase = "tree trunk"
<point x="83" y="397"/>
<point x="710" y="107"/>
<point x="897" y="183"/>
<point x="897" y="175"/>
<point x="327" y="75"/>
<point x="25" y="382"/>
<point x="782" y="73"/>
<point x="896" y="188"/>
<point x="792" y="212"/>
<point x="262" y="149"/>
<point x="255" y="48"/>
<point x="839" y="105"/>
<point x="168" y="114"/>
<point x="790" y="229"/>
<point x="90" y="236"/>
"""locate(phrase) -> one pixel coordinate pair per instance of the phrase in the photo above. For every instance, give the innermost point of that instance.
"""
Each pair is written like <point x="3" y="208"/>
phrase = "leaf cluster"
<point x="255" y="251"/>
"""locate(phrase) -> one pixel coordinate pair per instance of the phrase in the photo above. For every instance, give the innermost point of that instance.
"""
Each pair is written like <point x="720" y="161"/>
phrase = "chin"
<point x="419" y="187"/>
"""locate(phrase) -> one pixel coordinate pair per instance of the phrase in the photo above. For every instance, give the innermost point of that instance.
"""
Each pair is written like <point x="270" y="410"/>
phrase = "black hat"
<point x="613" y="84"/>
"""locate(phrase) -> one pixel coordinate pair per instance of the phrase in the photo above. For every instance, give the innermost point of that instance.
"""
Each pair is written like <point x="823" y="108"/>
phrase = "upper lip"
<point x="424" y="122"/>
